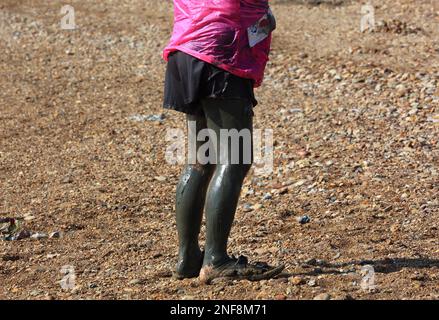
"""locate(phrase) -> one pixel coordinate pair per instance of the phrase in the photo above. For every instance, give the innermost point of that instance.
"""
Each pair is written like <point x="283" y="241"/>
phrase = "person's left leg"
<point x="232" y="118"/>
<point x="231" y="125"/>
<point x="190" y="197"/>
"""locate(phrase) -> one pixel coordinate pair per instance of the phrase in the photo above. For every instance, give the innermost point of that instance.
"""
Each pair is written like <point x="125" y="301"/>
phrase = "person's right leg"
<point x="190" y="197"/>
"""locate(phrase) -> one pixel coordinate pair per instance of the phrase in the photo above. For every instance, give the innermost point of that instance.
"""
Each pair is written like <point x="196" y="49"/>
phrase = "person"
<point x="216" y="56"/>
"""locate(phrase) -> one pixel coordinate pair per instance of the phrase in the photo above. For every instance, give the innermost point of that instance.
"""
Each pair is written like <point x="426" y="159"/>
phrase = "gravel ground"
<point x="355" y="120"/>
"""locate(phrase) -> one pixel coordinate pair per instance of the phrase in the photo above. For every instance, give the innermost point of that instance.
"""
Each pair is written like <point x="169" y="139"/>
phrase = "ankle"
<point x="215" y="259"/>
<point x="189" y="252"/>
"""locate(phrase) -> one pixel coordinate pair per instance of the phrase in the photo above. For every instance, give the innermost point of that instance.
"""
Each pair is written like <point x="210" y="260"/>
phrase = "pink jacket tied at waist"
<point x="215" y="31"/>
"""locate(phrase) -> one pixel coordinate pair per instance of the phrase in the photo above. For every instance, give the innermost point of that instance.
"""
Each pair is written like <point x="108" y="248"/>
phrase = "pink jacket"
<point x="215" y="31"/>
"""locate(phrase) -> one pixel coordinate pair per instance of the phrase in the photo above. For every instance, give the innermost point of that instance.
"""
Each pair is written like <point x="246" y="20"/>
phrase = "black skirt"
<point x="188" y="80"/>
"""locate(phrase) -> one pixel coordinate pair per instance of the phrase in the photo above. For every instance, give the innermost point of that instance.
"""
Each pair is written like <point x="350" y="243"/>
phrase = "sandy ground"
<point x="355" y="121"/>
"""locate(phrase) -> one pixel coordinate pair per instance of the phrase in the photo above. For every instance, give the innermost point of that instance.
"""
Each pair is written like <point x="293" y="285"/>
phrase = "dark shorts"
<point x="188" y="80"/>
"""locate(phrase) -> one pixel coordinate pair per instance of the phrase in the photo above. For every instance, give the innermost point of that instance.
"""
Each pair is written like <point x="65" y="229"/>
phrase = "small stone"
<point x="261" y="251"/>
<point x="35" y="293"/>
<point x="342" y="296"/>
<point x="247" y="207"/>
<point x="303" y="219"/>
<point x="322" y="296"/>
<point x="28" y="217"/>
<point x="136" y="282"/>
<point x="55" y="235"/>
<point x="296" y="281"/>
<point x="289" y="291"/>
<point x="401" y="90"/>
<point x="67" y="179"/>
<point x="280" y="297"/>
<point x="299" y="183"/>
<point x="434" y="118"/>
<point x="388" y="208"/>
<point x="38" y="236"/>
<point x="153" y="117"/>
<point x="303" y="153"/>
<point x="312" y="283"/>
<point x="329" y="163"/>
<point x="160" y="178"/>
<point x="267" y="196"/>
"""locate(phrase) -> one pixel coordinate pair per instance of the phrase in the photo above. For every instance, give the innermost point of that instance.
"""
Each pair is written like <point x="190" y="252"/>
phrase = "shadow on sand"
<point x="381" y="266"/>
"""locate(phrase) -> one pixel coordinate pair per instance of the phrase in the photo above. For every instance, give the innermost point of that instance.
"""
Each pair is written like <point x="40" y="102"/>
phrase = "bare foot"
<point x="239" y="269"/>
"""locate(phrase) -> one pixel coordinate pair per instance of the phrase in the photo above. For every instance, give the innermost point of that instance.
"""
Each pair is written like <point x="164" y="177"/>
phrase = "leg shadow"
<point x="382" y="266"/>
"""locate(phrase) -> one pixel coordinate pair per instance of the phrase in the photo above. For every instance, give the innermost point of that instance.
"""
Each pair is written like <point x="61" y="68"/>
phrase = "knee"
<point x="237" y="170"/>
<point x="201" y="169"/>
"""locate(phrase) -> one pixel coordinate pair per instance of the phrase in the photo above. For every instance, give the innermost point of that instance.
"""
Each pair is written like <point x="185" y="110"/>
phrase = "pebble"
<point x="55" y="235"/>
<point x="434" y="118"/>
<point x="152" y="117"/>
<point x="267" y="196"/>
<point x="312" y="283"/>
<point x="388" y="208"/>
<point x="38" y="236"/>
<point x="67" y="180"/>
<point x="261" y="251"/>
<point x="296" y="280"/>
<point x="247" y="207"/>
<point x="35" y="293"/>
<point x="136" y="282"/>
<point x="299" y="183"/>
<point x="322" y="296"/>
<point x="28" y="217"/>
<point x="303" y="219"/>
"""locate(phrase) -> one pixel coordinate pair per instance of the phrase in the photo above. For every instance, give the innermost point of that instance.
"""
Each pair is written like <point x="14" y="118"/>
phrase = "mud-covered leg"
<point x="235" y="116"/>
<point x="190" y="198"/>
<point x="225" y="186"/>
